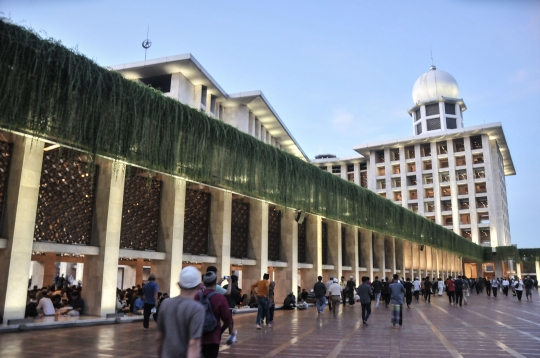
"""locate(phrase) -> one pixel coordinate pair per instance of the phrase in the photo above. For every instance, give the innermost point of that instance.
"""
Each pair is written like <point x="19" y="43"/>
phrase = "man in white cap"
<point x="181" y="319"/>
<point x="335" y="295"/>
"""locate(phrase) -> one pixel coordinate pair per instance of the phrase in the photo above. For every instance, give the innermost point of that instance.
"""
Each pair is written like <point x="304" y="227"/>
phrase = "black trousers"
<point x="416" y="294"/>
<point x="488" y="291"/>
<point x="329" y="300"/>
<point x="408" y="298"/>
<point x="427" y="295"/>
<point x="459" y="297"/>
<point x="494" y="289"/>
<point x="519" y="294"/>
<point x="366" y="311"/>
<point x="451" y="296"/>
<point x="210" y="350"/>
<point x="147" y="308"/>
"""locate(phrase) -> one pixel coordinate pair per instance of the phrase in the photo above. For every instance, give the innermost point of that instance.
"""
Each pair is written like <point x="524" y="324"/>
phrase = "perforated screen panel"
<point x="450" y="108"/>
<point x="432" y="109"/>
<point x="433" y="124"/>
<point x="451" y="123"/>
<point x="417" y="114"/>
<point x="419" y="128"/>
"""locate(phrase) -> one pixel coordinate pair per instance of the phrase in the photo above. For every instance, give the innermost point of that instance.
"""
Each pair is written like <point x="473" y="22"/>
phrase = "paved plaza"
<point x="487" y="327"/>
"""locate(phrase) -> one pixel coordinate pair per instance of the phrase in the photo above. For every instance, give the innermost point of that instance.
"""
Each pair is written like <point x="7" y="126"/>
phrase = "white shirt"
<point x="335" y="289"/>
<point x="505" y="283"/>
<point x="416" y="285"/>
<point x="46" y="304"/>
<point x="520" y="286"/>
<point x="494" y="283"/>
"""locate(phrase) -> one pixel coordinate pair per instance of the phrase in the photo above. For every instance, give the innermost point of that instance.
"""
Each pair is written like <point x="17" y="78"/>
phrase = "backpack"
<point x="210" y="321"/>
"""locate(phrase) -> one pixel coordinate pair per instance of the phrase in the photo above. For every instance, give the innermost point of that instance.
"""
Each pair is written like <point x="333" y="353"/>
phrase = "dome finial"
<point x="432" y="68"/>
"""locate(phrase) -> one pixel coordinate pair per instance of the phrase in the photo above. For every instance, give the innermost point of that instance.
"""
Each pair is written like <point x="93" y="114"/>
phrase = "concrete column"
<point x="334" y="248"/>
<point x="257" y="243"/>
<point x="423" y="263"/>
<point x="378" y="254"/>
<point x="289" y="254"/>
<point x="437" y="264"/>
<point x="400" y="256"/>
<point x="313" y="249"/>
<point x="415" y="252"/>
<point x="389" y="254"/>
<point x="407" y="259"/>
<point x="171" y="235"/>
<point x="19" y="222"/>
<point x="429" y="262"/>
<point x="38" y="269"/>
<point x="139" y="269"/>
<point x="537" y="265"/>
<point x="48" y="263"/>
<point x="79" y="272"/>
<point x="62" y="269"/>
<point x="352" y="240"/>
<point x="99" y="290"/>
<point x="219" y="243"/>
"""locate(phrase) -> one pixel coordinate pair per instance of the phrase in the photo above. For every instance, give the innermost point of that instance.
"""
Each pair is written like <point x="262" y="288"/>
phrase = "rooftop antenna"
<point x="146" y="43"/>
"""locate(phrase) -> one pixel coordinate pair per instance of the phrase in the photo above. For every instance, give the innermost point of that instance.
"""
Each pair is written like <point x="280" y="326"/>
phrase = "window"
<point x="480" y="188"/>
<point x="411" y="167"/>
<point x="431" y="218"/>
<point x="418" y="115"/>
<point x="161" y="83"/>
<point x="479" y="173"/>
<point x="447" y="220"/>
<point x="204" y="92"/>
<point x="481" y="203"/>
<point x="323" y="168"/>
<point x="442" y="148"/>
<point x="419" y="129"/>
<point x="445" y="191"/>
<point x="451" y="123"/>
<point x="430" y="207"/>
<point x="363" y="179"/>
<point x="427" y="165"/>
<point x="433" y="124"/>
<point x="396" y="183"/>
<point x="409" y="152"/>
<point x="379" y="156"/>
<point x="350" y="168"/>
<point x="476" y="142"/>
<point x="459" y="145"/>
<point x="382" y="195"/>
<point x="467" y="234"/>
<point x="428" y="178"/>
<point x="413" y="208"/>
<point x="363" y="166"/>
<point x="432" y="109"/>
<point x="445" y="177"/>
<point x="381" y="171"/>
<point x="478" y="158"/>
<point x="463" y="204"/>
<point x="426" y="150"/>
<point x="450" y="108"/>
<point x="460" y="161"/>
<point x="446" y="205"/>
<point x="397" y="196"/>
<point x="465" y="219"/>
<point x="443" y="163"/>
<point x="483" y="218"/>
<point x="220" y="116"/>
<point x="212" y="104"/>
<point x="461" y="175"/>
<point x="463" y="189"/>
<point x="394" y="154"/>
<point x="336" y="169"/>
<point x="430" y="193"/>
<point x="396" y="169"/>
<point x="350" y="177"/>
<point x="413" y="195"/>
<point x="411" y="180"/>
<point x="381" y="184"/>
<point x="485" y="237"/>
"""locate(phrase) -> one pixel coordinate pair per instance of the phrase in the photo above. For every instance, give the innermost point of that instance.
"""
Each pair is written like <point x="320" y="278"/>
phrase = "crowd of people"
<point x="61" y="298"/>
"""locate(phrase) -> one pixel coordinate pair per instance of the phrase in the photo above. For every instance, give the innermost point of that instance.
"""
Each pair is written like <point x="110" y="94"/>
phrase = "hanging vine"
<point x="47" y="90"/>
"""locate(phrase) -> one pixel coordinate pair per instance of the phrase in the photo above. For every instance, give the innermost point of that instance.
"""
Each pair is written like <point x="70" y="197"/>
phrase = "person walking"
<point x="365" y="292"/>
<point x="519" y="288"/>
<point x="427" y="290"/>
<point x="458" y="289"/>
<point x="396" y="301"/>
<point x="528" y="284"/>
<point x="385" y="292"/>
<point x="450" y="291"/>
<point x="261" y="290"/>
<point x="343" y="285"/>
<point x="376" y="286"/>
<point x="488" y="286"/>
<point x="150" y="299"/>
<point x="440" y="286"/>
<point x="351" y="288"/>
<point x="505" y="286"/>
<point x="334" y="292"/>
<point x="328" y="298"/>
<point x="408" y="291"/>
<point x="416" y="285"/>
<point x="181" y="319"/>
<point x="494" y="286"/>
<point x="320" y="291"/>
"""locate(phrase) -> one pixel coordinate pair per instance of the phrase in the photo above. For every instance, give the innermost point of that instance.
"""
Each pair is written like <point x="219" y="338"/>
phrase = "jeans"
<point x="366" y="311"/>
<point x="262" y="309"/>
<point x="321" y="302"/>
<point x="147" y="308"/>
<point x="377" y="299"/>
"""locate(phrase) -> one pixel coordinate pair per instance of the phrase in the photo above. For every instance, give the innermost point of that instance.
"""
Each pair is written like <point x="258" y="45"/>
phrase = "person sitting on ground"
<point x="288" y="303"/>
<point x="311" y="297"/>
<point x="77" y="304"/>
<point x="45" y="307"/>
<point x="304" y="295"/>
<point x="253" y="301"/>
<point x="31" y="310"/>
<point x="302" y="305"/>
<point x="244" y="301"/>
<point x="138" y="305"/>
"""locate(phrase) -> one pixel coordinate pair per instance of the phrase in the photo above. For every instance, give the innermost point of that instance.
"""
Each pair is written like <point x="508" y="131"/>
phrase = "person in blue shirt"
<point x="138" y="305"/>
<point x="150" y="291"/>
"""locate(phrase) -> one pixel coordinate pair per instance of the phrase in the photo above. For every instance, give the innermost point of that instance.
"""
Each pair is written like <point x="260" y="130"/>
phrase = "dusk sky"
<point x="339" y="74"/>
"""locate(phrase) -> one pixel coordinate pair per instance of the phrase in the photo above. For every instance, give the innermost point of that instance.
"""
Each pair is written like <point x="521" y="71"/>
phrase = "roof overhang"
<point x="493" y="130"/>
<point x="261" y="108"/>
<point x="339" y="161"/>
<point x="185" y="64"/>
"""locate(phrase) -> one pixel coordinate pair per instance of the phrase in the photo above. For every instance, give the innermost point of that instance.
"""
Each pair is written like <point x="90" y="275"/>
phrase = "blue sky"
<point x="338" y="73"/>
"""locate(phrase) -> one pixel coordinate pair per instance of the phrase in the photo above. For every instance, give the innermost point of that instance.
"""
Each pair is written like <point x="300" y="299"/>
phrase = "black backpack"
<point x="210" y="321"/>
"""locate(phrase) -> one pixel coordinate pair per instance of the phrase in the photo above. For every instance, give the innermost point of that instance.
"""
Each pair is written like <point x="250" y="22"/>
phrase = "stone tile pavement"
<point x="486" y="327"/>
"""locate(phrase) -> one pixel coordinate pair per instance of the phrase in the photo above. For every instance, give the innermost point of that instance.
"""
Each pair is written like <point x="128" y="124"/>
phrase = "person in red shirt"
<point x="450" y="290"/>
<point x="220" y="307"/>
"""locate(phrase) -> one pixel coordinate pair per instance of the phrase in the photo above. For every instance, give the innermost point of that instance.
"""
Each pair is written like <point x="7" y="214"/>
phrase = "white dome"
<point x="434" y="84"/>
